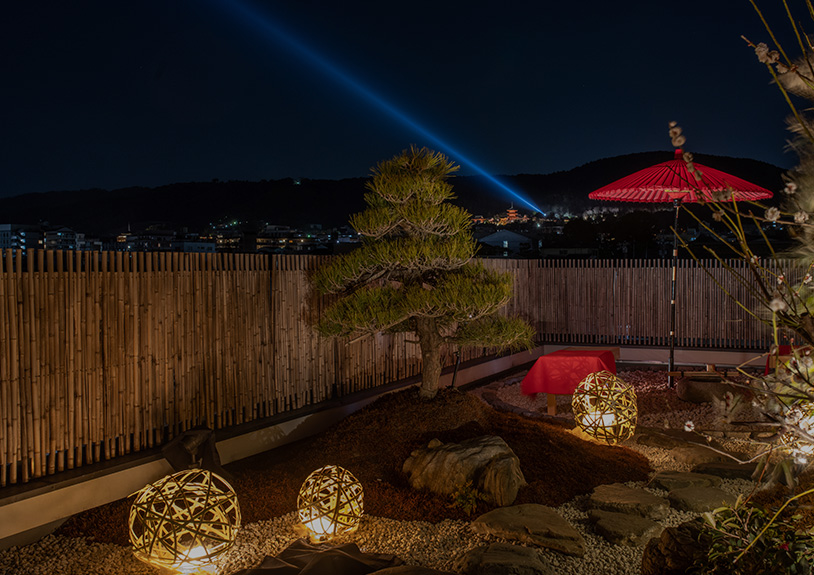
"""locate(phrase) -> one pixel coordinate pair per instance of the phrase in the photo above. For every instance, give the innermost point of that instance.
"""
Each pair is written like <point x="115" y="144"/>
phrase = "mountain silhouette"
<point x="196" y="205"/>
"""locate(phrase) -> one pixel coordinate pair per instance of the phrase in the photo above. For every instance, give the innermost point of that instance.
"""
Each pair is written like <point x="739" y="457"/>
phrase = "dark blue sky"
<point x="112" y="94"/>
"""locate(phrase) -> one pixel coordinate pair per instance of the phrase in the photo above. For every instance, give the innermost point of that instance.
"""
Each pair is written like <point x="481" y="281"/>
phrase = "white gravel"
<point x="417" y="543"/>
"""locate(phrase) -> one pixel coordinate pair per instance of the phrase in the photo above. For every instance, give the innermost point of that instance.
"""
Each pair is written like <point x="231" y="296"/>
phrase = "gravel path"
<point x="418" y="543"/>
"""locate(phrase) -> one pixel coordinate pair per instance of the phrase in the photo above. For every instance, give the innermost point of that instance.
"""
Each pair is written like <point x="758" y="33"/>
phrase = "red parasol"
<point x="672" y="181"/>
<point x="661" y="182"/>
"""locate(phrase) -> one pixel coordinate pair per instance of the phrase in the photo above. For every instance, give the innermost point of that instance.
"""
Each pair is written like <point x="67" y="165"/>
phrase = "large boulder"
<point x="532" y="524"/>
<point x="486" y="463"/>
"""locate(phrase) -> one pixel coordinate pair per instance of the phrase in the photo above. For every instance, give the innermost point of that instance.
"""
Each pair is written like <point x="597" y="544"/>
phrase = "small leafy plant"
<point x="466" y="498"/>
<point x="748" y="540"/>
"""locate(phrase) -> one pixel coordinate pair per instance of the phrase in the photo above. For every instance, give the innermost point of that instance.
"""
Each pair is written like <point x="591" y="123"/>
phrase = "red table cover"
<point x="561" y="371"/>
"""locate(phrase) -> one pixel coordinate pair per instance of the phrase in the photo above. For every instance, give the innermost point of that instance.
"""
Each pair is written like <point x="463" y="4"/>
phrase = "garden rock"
<point x="623" y="499"/>
<point x="674" y="551"/>
<point x="704" y="387"/>
<point x="696" y="455"/>
<point x="410" y="570"/>
<point x="668" y="438"/>
<point x="502" y="559"/>
<point x="669" y="480"/>
<point x="623" y="528"/>
<point x="727" y="469"/>
<point x="534" y="524"/>
<point x="700" y="499"/>
<point x="487" y="463"/>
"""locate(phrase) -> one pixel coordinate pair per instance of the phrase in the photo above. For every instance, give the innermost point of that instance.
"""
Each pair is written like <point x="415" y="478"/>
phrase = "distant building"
<point x="150" y="240"/>
<point x="511" y="216"/>
<point x="510" y="242"/>
<point x="63" y="239"/>
<point x="565" y="252"/>
<point x="20" y="237"/>
<point x="193" y="246"/>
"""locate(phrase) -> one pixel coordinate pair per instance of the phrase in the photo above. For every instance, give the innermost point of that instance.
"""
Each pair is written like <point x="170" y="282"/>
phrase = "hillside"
<point x="329" y="202"/>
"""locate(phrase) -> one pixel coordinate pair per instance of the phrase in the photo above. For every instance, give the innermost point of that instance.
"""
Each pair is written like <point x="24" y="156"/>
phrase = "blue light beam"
<point x="262" y="23"/>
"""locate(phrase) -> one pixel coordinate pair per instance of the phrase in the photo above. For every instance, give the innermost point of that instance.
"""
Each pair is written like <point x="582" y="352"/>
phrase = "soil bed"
<point x="373" y="444"/>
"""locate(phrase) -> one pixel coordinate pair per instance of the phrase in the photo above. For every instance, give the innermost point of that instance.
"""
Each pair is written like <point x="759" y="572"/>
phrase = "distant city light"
<point x="261" y="22"/>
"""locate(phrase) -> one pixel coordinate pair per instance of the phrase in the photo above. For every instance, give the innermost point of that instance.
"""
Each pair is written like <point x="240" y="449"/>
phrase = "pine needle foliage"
<point x="415" y="271"/>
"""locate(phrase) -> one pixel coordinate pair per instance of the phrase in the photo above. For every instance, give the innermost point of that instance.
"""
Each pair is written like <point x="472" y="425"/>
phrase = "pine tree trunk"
<point x="430" y="342"/>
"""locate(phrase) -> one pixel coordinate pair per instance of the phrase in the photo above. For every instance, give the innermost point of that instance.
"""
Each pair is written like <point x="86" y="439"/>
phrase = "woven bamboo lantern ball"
<point x="605" y="407"/>
<point x="185" y="521"/>
<point x="330" y="502"/>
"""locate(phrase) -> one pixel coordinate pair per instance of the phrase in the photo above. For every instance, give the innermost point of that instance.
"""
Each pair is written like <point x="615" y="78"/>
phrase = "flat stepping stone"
<point x="727" y="469"/>
<point x="623" y="528"/>
<point x="705" y="387"/>
<point x="534" y="524"/>
<point x="623" y="499"/>
<point x="670" y="480"/>
<point x="696" y="455"/>
<point x="668" y="438"/>
<point x="700" y="499"/>
<point x="411" y="570"/>
<point x="501" y="559"/>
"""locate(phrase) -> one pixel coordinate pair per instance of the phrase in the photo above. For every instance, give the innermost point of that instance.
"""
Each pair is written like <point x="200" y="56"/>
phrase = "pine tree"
<point x="415" y="271"/>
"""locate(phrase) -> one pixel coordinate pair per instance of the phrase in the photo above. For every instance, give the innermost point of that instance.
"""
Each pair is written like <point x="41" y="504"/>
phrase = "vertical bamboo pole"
<point x="7" y="401"/>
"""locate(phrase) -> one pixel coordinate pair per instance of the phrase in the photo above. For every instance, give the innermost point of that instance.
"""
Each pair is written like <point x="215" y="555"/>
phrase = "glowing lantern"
<point x="605" y="407"/>
<point x="184" y="522"/>
<point x="330" y="502"/>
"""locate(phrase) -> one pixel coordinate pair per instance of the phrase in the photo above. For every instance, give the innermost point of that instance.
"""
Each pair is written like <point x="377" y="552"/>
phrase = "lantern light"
<point x="184" y="522"/>
<point x="605" y="407"/>
<point x="330" y="502"/>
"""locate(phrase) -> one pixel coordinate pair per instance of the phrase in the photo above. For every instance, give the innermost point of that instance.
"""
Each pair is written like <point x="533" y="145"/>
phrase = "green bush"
<point x="467" y="498"/>
<point x="748" y="540"/>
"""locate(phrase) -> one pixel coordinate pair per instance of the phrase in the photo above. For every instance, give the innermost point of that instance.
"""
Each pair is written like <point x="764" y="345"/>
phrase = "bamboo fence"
<point x="104" y="354"/>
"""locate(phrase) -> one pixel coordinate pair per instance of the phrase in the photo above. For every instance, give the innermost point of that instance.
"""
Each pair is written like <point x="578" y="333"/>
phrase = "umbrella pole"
<point x="671" y="363"/>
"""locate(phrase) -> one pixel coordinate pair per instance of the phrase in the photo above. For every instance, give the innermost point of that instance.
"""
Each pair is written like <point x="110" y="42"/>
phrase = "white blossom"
<point x="777" y="305"/>
<point x="807" y="279"/>
<point x="793" y="415"/>
<point x="762" y="52"/>
<point x="790" y="189"/>
<point x="772" y="214"/>
<point x="689" y="426"/>
<point x="679" y="141"/>
<point x="800" y="217"/>
<point x="780" y="279"/>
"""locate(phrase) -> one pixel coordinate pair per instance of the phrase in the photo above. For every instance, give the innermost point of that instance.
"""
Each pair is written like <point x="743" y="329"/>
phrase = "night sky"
<point x="109" y="94"/>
